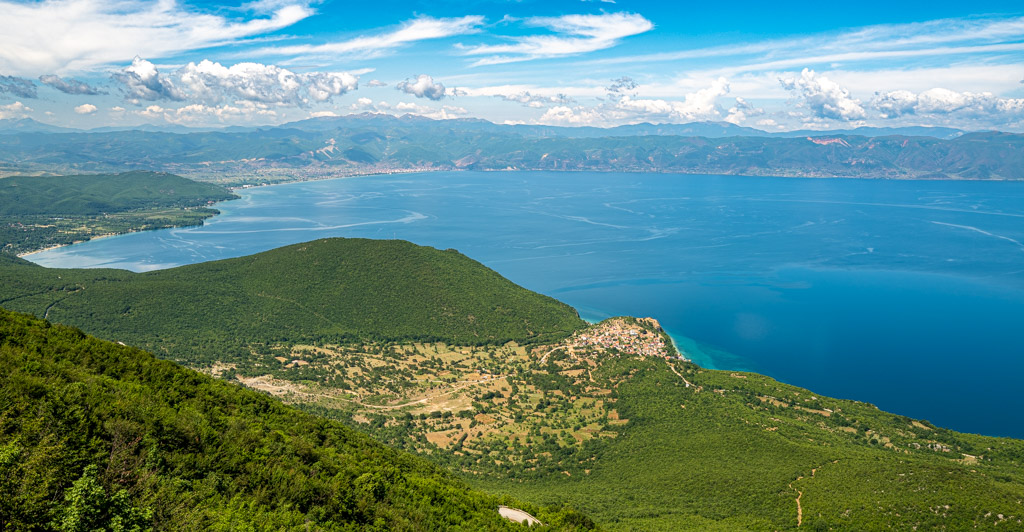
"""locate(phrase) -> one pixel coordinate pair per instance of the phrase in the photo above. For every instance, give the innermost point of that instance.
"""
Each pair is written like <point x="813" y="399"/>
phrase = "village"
<point x="629" y="336"/>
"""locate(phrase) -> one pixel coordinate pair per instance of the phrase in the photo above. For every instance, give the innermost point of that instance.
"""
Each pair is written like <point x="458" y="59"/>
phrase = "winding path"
<point x="680" y="375"/>
<point x="518" y="516"/>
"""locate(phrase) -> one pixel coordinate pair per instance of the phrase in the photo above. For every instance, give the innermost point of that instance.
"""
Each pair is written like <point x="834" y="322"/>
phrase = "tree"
<point x="87" y="508"/>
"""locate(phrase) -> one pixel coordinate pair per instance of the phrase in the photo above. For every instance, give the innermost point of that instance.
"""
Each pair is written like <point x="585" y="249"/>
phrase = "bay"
<point x="905" y="294"/>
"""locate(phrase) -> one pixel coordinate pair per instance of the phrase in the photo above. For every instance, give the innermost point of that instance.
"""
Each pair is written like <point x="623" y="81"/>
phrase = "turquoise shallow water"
<point x="908" y="295"/>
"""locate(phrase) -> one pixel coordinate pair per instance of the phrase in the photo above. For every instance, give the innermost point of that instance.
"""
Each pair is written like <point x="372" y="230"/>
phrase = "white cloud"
<point x="824" y="97"/>
<point x="573" y="116"/>
<point x="445" y="112"/>
<point x="322" y="86"/>
<point x="153" y="111"/>
<point x="701" y="104"/>
<point x="14" y="110"/>
<point x="85" y="109"/>
<point x="376" y="83"/>
<point x="323" y="114"/>
<point x="741" y="111"/>
<point x="418" y="29"/>
<point x="211" y="83"/>
<point x="142" y="81"/>
<point x="76" y="35"/>
<point x="943" y="37"/>
<point x="576" y="34"/>
<point x="940" y="101"/>
<point x="200" y="114"/>
<point x="422" y="87"/>
<point x="895" y="103"/>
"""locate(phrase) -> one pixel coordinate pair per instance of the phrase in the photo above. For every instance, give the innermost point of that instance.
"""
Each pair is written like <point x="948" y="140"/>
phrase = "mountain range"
<point x="374" y="143"/>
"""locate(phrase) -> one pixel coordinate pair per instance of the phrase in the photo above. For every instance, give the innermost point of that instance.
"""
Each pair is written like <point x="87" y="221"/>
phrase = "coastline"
<point x="50" y="248"/>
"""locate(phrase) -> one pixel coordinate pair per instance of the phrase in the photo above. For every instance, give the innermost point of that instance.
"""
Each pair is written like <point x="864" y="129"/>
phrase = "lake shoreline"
<point x="777" y="276"/>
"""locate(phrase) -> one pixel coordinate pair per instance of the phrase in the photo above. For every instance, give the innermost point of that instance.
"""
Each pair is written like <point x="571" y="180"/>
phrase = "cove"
<point x="905" y="294"/>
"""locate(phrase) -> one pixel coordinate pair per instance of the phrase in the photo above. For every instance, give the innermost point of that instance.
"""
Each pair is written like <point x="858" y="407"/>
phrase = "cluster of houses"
<point x="627" y="338"/>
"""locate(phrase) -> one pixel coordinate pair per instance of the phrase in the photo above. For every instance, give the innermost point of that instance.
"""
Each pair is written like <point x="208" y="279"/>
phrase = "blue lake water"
<point x="908" y="295"/>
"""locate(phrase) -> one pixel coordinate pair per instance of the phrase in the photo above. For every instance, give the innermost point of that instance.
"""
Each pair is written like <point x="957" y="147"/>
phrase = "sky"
<point x="773" y="66"/>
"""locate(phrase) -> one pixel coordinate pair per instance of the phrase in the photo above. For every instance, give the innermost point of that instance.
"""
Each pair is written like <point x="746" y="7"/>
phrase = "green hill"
<point x="103" y="193"/>
<point x="639" y="440"/>
<point x="39" y="212"/>
<point x="328" y="290"/>
<point x="96" y="436"/>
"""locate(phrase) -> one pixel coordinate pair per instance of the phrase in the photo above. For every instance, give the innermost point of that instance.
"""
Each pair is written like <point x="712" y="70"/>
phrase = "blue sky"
<point x="772" y="66"/>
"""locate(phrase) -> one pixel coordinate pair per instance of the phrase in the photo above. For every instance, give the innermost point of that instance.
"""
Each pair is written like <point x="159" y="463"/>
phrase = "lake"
<point x="908" y="295"/>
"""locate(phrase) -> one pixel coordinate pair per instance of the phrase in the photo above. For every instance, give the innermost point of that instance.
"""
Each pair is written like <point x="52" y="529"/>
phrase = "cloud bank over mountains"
<point x="274" y="60"/>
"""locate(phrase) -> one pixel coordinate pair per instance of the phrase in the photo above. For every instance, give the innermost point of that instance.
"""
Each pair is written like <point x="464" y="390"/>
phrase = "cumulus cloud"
<point x="741" y="111"/>
<point x="376" y="83"/>
<point x="142" y="81"/>
<point x="85" y="109"/>
<point x="14" y="110"/>
<point x="197" y="113"/>
<point x="701" y="104"/>
<point x="939" y="101"/>
<point x="824" y="97"/>
<point x="69" y="86"/>
<point x="212" y="82"/>
<point x="19" y="87"/>
<point x="322" y="86"/>
<point x="575" y="34"/>
<point x="573" y="116"/>
<point x="85" y="34"/>
<point x="422" y="87"/>
<point x="418" y="29"/>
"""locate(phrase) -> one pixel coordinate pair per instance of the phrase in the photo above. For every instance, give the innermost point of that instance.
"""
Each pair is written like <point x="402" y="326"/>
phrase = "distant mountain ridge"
<point x="691" y="129"/>
<point x="706" y="129"/>
<point x="374" y="143"/>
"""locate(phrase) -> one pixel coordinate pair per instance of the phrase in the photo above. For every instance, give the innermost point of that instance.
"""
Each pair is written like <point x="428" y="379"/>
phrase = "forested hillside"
<point x="409" y="343"/>
<point x="103" y="193"/>
<point x="43" y="211"/>
<point x="97" y="436"/>
<point x="329" y="290"/>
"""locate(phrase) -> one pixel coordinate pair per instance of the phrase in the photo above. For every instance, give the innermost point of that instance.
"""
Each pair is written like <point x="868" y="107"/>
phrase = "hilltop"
<point x="332" y="289"/>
